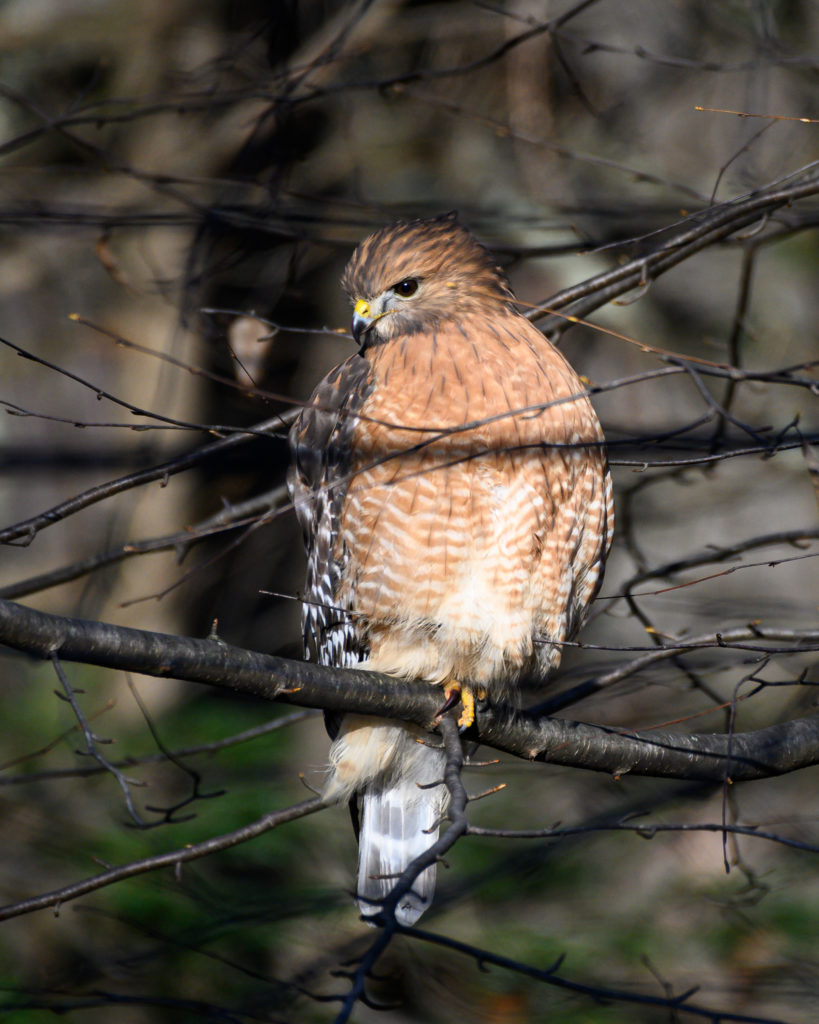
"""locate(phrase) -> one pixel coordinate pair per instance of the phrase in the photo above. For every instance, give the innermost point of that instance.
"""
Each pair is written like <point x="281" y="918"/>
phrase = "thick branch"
<point x="772" y="751"/>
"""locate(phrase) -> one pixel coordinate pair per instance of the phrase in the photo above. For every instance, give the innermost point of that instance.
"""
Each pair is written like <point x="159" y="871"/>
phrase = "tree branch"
<point x="675" y="1004"/>
<point x="658" y="753"/>
<point x="26" y="530"/>
<point x="170" y="859"/>
<point x="697" y="232"/>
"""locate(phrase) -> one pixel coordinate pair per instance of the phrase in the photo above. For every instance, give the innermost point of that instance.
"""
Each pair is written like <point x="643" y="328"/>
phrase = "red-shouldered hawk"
<point x="453" y="490"/>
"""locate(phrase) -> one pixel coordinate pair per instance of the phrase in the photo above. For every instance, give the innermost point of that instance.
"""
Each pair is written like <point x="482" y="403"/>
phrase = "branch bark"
<point x="775" y="750"/>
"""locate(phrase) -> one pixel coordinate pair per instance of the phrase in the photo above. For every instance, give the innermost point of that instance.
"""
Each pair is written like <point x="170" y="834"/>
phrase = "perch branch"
<point x="765" y="752"/>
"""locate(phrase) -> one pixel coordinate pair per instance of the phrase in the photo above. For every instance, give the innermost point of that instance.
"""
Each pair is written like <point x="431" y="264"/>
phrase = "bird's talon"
<point x="457" y="693"/>
<point x="452" y="692"/>
<point x="467" y="716"/>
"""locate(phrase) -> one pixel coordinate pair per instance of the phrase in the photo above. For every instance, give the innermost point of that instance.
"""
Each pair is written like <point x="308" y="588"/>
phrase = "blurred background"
<point x="181" y="184"/>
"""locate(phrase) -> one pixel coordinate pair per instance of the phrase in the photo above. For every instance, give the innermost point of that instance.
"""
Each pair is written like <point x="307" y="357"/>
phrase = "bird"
<point x="451" y="482"/>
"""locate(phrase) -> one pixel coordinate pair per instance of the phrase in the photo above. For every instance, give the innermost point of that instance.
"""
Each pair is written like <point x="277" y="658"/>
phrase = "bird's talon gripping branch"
<point x="452" y="692"/>
<point x="455" y="692"/>
<point x="467" y="716"/>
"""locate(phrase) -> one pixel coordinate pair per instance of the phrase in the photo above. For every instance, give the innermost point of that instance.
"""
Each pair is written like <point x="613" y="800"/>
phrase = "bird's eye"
<point x="406" y="288"/>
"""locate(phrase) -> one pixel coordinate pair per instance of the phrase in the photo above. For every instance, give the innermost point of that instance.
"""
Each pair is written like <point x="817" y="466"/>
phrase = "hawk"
<point x="454" y="495"/>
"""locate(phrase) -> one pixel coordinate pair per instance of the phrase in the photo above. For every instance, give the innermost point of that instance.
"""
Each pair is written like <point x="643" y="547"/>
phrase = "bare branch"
<point x="130" y="762"/>
<point x="659" y="753"/>
<point x="698" y="231"/>
<point x="646" y="830"/>
<point x="231" y="517"/>
<point x="679" y="1004"/>
<point x="29" y="528"/>
<point x="92" y="744"/>
<point x="174" y="857"/>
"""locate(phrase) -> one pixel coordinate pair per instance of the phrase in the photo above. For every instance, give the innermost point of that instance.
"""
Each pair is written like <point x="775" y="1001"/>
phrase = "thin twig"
<point x="171" y="859"/>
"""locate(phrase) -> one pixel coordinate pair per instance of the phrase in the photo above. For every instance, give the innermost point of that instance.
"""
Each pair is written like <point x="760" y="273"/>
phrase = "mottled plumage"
<point x="453" y="490"/>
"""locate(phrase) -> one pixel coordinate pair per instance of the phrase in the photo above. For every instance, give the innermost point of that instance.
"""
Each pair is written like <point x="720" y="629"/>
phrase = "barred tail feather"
<point x="400" y="822"/>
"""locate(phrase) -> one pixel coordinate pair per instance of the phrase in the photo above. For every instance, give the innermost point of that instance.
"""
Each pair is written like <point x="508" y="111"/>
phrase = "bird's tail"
<point x="400" y="816"/>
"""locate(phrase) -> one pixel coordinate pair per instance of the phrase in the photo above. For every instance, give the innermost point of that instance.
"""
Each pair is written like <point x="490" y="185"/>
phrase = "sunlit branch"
<point x="658" y="753"/>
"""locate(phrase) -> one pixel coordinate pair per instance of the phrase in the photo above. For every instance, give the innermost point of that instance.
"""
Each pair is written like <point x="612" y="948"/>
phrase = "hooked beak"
<point x="363" y="319"/>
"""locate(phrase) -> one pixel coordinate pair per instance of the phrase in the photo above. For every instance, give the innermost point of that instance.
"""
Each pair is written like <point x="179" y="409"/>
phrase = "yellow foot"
<point x="455" y="692"/>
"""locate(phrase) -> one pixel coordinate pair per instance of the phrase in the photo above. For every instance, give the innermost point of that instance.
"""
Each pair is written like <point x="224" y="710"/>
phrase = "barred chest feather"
<point x="471" y="524"/>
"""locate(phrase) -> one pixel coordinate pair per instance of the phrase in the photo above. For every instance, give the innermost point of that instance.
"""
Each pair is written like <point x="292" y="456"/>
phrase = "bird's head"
<point x="411" y="275"/>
